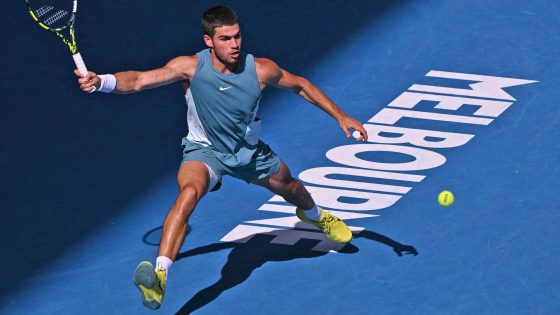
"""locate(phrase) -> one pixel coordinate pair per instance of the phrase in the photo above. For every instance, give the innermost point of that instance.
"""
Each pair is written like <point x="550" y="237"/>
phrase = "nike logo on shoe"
<point x="225" y="88"/>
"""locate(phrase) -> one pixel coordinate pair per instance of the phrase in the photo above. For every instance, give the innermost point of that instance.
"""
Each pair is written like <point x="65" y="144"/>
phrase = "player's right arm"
<point x="178" y="69"/>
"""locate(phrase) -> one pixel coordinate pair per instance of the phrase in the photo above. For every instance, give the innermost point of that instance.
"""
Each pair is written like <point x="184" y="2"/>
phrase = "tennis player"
<point x="223" y="87"/>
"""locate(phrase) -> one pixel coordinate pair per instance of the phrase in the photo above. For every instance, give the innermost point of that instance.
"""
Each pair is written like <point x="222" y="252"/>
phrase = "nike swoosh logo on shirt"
<point x="225" y="88"/>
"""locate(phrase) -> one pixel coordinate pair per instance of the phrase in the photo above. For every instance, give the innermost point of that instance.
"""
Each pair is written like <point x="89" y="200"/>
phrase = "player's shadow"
<point x="245" y="258"/>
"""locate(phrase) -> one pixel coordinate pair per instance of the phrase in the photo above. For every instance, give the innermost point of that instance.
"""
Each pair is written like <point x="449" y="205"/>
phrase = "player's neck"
<point x="222" y="67"/>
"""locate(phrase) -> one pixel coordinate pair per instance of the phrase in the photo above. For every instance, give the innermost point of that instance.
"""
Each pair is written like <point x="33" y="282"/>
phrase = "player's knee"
<point x="189" y="194"/>
<point x="291" y="187"/>
<point x="185" y="203"/>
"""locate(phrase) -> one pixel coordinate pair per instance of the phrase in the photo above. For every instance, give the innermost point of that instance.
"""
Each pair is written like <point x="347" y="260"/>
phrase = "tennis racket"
<point x="56" y="16"/>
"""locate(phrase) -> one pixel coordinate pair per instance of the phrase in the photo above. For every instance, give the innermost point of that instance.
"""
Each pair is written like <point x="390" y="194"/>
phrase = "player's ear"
<point x="208" y="41"/>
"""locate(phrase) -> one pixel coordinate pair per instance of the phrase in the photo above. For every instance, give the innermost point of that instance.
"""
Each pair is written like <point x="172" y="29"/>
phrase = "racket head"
<point x="53" y="15"/>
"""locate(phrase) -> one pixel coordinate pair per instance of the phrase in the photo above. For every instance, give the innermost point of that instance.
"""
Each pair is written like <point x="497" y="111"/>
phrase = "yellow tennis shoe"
<point x="151" y="283"/>
<point x="331" y="225"/>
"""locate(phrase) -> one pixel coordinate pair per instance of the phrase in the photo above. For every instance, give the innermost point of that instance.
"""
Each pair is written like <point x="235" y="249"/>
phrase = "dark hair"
<point x="216" y="17"/>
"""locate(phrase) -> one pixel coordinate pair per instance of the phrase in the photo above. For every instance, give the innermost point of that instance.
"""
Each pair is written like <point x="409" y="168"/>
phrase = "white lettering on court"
<point x="349" y="188"/>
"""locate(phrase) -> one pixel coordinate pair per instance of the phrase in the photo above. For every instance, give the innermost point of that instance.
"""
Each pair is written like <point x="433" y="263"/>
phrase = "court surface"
<point x="87" y="179"/>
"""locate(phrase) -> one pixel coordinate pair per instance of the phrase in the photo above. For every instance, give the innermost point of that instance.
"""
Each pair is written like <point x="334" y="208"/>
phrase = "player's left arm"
<point x="269" y="73"/>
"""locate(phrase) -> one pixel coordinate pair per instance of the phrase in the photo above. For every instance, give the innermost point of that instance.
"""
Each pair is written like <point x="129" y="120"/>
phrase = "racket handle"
<point x="79" y="61"/>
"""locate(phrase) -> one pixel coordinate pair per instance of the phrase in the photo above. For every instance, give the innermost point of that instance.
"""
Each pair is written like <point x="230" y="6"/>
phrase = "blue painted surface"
<point x="85" y="178"/>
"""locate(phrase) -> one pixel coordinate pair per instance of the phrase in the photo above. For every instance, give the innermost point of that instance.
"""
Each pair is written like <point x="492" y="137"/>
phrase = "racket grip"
<point x="79" y="61"/>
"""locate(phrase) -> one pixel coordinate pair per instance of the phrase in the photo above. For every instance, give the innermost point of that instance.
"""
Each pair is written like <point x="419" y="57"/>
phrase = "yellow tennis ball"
<point x="445" y="198"/>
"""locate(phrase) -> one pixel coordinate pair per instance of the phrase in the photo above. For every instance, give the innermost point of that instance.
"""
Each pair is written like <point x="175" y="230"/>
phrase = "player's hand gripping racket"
<point x="56" y="16"/>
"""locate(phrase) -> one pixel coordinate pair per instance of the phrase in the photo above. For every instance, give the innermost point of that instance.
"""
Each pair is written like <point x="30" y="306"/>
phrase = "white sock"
<point x="163" y="263"/>
<point x="313" y="213"/>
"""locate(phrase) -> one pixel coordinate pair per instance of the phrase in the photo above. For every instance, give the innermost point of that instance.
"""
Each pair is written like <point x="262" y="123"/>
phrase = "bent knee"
<point x="190" y="193"/>
<point x="289" y="187"/>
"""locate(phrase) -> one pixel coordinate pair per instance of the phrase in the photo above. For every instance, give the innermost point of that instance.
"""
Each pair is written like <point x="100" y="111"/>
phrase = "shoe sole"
<point x="144" y="278"/>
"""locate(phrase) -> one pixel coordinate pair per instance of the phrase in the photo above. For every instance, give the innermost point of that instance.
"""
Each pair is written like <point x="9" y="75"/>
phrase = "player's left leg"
<point x="292" y="190"/>
<point x="282" y="183"/>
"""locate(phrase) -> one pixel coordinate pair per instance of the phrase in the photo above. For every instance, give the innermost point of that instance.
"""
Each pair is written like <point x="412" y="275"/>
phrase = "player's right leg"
<point x="193" y="180"/>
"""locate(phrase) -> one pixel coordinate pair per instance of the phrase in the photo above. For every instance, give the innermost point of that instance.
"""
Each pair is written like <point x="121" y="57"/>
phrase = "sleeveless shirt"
<point x="222" y="110"/>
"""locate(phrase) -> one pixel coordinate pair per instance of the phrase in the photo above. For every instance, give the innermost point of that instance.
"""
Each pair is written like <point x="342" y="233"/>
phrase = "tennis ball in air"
<point x="446" y="198"/>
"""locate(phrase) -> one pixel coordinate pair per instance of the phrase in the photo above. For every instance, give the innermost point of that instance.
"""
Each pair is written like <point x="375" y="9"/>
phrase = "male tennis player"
<point x="223" y="87"/>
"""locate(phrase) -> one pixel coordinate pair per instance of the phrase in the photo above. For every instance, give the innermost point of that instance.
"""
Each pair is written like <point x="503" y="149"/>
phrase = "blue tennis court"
<point x="456" y="95"/>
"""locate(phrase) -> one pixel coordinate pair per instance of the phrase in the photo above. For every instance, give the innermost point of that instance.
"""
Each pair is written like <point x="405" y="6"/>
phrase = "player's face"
<point x="226" y="43"/>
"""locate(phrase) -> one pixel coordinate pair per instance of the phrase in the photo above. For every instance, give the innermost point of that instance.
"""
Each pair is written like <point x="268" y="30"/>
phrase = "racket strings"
<point x="43" y="10"/>
<point x="52" y="13"/>
<point x="57" y="16"/>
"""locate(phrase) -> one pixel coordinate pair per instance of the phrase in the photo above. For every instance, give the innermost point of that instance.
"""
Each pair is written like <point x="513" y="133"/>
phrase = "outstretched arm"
<point x="180" y="68"/>
<point x="270" y="73"/>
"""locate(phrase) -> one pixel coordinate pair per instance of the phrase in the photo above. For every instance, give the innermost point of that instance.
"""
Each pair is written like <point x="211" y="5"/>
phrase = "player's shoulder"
<point x="266" y="68"/>
<point x="184" y="61"/>
<point x="265" y="63"/>
<point x="183" y="64"/>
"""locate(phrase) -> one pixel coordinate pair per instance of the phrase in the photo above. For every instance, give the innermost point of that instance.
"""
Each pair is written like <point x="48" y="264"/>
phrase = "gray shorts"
<point x="264" y="163"/>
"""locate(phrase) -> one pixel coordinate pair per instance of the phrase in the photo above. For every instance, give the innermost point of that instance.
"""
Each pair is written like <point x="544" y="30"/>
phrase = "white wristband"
<point x="108" y="83"/>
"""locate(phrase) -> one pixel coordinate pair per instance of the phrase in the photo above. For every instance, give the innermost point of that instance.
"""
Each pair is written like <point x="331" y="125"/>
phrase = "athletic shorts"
<point x="263" y="163"/>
